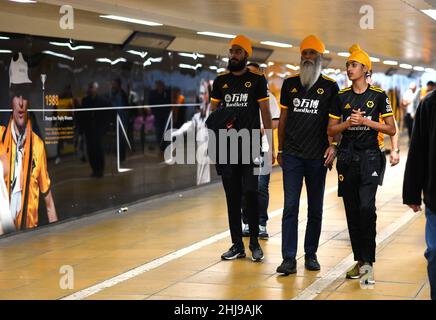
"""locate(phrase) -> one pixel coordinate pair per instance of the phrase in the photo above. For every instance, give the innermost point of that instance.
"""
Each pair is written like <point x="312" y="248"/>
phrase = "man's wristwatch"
<point x="396" y="150"/>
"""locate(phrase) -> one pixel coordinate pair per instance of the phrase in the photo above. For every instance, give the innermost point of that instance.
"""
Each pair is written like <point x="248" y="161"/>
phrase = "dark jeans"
<point x="314" y="173"/>
<point x="430" y="253"/>
<point x="358" y="182"/>
<point x="240" y="180"/>
<point x="263" y="201"/>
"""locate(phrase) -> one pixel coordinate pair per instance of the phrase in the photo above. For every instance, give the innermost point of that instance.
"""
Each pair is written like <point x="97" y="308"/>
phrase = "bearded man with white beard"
<point x="305" y="151"/>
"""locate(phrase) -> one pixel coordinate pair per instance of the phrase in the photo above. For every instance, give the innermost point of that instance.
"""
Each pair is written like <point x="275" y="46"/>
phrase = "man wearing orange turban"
<point x="305" y="151"/>
<point x="240" y="94"/>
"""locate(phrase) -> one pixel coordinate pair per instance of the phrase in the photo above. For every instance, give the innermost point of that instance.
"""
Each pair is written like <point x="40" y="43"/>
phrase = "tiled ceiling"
<point x="401" y="31"/>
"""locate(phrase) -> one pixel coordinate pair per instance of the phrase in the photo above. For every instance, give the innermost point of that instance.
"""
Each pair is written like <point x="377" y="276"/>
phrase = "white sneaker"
<point x="245" y="230"/>
<point x="263" y="234"/>
<point x="367" y="272"/>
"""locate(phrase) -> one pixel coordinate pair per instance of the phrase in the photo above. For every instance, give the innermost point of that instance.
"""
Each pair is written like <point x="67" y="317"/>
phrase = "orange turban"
<point x="243" y="42"/>
<point x="312" y="42"/>
<point x="357" y="54"/>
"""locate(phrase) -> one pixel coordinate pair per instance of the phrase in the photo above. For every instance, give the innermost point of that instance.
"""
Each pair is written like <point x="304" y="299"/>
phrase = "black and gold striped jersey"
<point x="307" y="119"/>
<point x="374" y="102"/>
<point x="243" y="94"/>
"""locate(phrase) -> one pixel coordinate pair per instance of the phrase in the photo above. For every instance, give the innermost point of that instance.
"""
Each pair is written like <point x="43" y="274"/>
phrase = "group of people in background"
<point x="319" y="123"/>
<point x="410" y="101"/>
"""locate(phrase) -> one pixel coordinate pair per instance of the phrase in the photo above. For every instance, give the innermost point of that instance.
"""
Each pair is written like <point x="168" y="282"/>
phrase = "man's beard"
<point x="235" y="67"/>
<point x="310" y="72"/>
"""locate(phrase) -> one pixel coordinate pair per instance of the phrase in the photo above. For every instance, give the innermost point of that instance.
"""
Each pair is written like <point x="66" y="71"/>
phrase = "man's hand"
<point x="394" y="158"/>
<point x="415" y="207"/>
<point x="357" y="118"/>
<point x="329" y="156"/>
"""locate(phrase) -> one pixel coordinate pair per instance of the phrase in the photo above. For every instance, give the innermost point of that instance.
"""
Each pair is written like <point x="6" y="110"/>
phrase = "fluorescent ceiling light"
<point x="213" y="68"/>
<point x="344" y="54"/>
<point x="24" y="1"/>
<point x="5" y="51"/>
<point x="406" y="66"/>
<point x="4" y="38"/>
<point x="59" y="55"/>
<point x="188" y="66"/>
<point x="290" y="66"/>
<point x="131" y="20"/>
<point x="263" y="65"/>
<point x="67" y="44"/>
<point x="225" y="59"/>
<point x="430" y="70"/>
<point x="142" y="54"/>
<point x="194" y="56"/>
<point x="431" y="13"/>
<point x="152" y="60"/>
<point x="216" y="34"/>
<point x="270" y="63"/>
<point x="221" y="70"/>
<point x="283" y="75"/>
<point x="326" y="51"/>
<point x="276" y="44"/>
<point x="374" y="59"/>
<point x="418" y="68"/>
<point x="65" y="66"/>
<point x="390" y="62"/>
<point x="114" y="62"/>
<point x="329" y="70"/>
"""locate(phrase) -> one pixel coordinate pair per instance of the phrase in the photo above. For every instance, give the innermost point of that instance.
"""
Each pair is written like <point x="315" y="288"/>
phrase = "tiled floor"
<point x="101" y="247"/>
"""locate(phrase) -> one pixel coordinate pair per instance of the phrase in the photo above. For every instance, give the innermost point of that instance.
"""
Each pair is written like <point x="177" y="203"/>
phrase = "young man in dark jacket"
<point x="420" y="176"/>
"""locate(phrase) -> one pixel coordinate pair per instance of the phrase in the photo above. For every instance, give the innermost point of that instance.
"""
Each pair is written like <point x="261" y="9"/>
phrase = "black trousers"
<point x="359" y="178"/>
<point x="241" y="180"/>
<point x="408" y="121"/>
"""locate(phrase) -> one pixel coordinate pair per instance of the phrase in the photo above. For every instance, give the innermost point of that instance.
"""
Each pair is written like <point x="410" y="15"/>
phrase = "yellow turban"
<point x="243" y="42"/>
<point x="357" y="54"/>
<point x="312" y="42"/>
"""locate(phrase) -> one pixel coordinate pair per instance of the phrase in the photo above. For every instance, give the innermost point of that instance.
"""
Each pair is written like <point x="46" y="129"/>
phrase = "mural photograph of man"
<point x="27" y="164"/>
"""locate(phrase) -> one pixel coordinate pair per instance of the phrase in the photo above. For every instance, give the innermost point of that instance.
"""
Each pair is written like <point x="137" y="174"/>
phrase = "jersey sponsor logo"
<point x="296" y="102"/>
<point x="347" y="106"/>
<point x="370" y="104"/>
<point x="306" y="106"/>
<point x="236" y="100"/>
<point x="225" y="86"/>
<point x="320" y="91"/>
<point x="360" y="128"/>
<point x="388" y="106"/>
<point x="248" y="84"/>
<point x="294" y="90"/>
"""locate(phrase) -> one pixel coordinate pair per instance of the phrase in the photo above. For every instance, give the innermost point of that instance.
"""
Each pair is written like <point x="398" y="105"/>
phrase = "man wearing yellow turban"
<point x="240" y="94"/>
<point x="355" y="114"/>
<point x="305" y="151"/>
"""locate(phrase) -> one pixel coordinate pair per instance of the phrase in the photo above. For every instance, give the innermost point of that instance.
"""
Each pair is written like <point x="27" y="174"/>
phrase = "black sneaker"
<point x="311" y="263"/>
<point x="287" y="267"/>
<point x="257" y="253"/>
<point x="234" y="252"/>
